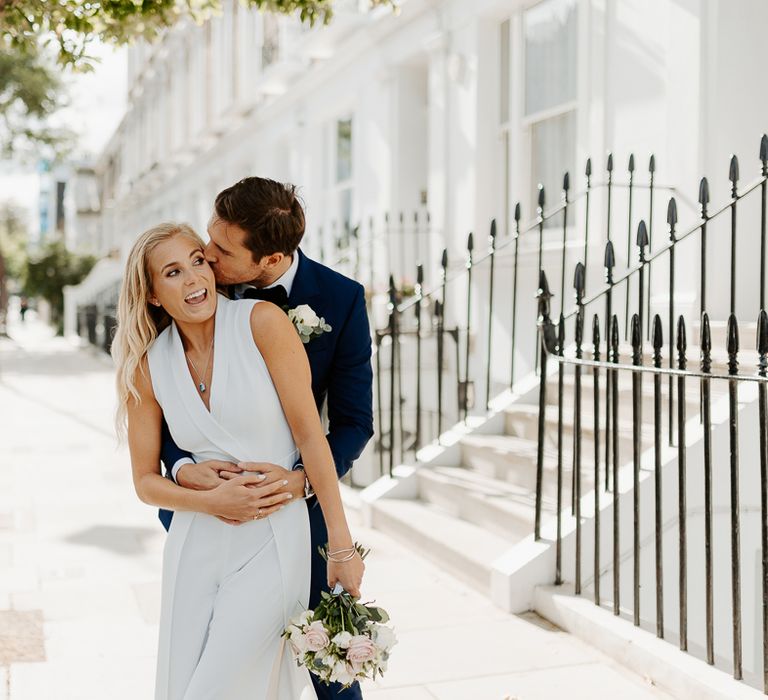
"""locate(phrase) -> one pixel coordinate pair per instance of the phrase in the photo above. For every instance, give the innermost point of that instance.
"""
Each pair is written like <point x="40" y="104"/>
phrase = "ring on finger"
<point x="258" y="514"/>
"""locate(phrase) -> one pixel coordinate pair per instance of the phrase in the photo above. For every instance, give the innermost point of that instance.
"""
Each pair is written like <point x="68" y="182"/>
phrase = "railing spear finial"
<point x="704" y="196"/>
<point x="733" y="174"/>
<point x="657" y="338"/>
<point x="615" y="337"/>
<point x="764" y="154"/>
<point x="642" y="239"/>
<point x="578" y="282"/>
<point x="672" y="218"/>
<point x="631" y="165"/>
<point x="652" y="164"/>
<point x="609" y="261"/>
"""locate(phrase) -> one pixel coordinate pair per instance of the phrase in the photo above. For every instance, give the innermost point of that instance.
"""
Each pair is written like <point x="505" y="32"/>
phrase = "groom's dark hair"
<point x="268" y="211"/>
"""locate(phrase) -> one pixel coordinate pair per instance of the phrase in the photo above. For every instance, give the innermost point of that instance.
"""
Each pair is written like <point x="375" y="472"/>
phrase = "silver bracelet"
<point x="349" y="557"/>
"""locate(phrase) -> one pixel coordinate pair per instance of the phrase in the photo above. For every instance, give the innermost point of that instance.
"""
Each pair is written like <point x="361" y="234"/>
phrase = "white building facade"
<point x="450" y="109"/>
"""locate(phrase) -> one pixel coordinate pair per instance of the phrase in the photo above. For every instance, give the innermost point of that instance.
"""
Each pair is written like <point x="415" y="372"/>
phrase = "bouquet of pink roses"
<point x="341" y="640"/>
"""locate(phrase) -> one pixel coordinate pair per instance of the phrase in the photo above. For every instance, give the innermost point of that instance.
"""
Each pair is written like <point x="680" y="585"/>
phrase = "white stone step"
<point x="465" y="550"/>
<point x="513" y="460"/>
<point x="678" y="673"/>
<point x="522" y="420"/>
<point x="499" y="506"/>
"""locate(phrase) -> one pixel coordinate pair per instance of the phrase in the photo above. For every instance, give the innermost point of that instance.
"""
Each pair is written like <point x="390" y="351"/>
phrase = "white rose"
<point x="305" y="617"/>
<point x="342" y="673"/>
<point x="307" y="316"/>
<point x="341" y="640"/>
<point x="384" y="637"/>
<point x="297" y="640"/>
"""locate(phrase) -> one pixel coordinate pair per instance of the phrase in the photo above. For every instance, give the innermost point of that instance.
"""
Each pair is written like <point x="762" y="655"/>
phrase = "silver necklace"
<point x="201" y="386"/>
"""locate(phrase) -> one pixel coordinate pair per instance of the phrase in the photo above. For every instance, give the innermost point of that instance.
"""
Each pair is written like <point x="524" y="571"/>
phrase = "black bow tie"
<point x="277" y="295"/>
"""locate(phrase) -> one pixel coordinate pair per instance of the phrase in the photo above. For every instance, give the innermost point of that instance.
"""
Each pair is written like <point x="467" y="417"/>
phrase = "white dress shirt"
<point x="286" y="281"/>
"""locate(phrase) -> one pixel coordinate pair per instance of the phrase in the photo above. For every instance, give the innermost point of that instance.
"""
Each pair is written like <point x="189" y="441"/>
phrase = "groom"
<point x="255" y="231"/>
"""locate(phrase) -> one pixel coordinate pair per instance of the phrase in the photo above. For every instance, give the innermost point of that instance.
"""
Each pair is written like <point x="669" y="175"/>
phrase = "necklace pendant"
<point x="201" y="386"/>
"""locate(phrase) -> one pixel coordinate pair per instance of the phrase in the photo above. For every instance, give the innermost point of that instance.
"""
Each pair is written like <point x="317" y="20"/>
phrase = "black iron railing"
<point x="436" y="337"/>
<point x="713" y="368"/>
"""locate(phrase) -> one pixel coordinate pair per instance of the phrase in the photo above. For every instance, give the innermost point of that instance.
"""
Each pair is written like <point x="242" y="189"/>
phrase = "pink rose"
<point x="360" y="650"/>
<point x="315" y="637"/>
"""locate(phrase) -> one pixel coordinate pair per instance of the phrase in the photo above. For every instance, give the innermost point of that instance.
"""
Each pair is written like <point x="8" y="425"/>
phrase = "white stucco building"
<point x="453" y="108"/>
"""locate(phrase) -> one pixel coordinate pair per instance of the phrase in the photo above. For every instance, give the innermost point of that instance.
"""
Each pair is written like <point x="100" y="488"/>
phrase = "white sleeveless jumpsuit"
<point x="229" y="591"/>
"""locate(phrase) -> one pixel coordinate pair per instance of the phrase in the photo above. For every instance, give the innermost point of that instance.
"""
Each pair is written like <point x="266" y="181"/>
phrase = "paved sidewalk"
<point x="80" y="568"/>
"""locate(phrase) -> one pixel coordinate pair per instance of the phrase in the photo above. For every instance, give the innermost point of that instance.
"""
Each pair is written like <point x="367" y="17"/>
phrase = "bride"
<point x="233" y="382"/>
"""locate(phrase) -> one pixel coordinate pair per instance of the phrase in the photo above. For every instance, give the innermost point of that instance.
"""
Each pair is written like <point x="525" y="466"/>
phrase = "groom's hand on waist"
<point x="207" y="475"/>
<point x="273" y="472"/>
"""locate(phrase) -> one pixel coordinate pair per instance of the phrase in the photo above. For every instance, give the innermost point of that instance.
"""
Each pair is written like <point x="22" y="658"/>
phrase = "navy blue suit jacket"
<point x="340" y="361"/>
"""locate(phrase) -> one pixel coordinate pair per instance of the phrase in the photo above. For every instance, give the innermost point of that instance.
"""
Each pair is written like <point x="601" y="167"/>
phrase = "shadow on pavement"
<point x="117" y="539"/>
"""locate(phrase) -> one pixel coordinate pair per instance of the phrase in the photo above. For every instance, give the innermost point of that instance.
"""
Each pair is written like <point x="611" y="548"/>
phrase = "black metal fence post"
<point x="609" y="188"/>
<point x="703" y="202"/>
<point x="560" y="393"/>
<point x="706" y="403"/>
<point x="682" y="513"/>
<point x="540" y="225"/>
<point x="763" y="213"/>
<point x="492" y="263"/>
<point x="614" y="429"/>
<point x="392" y="307"/>
<point x="631" y="171"/>
<point x="658" y="341"/>
<point x="378" y="336"/>
<point x="672" y="222"/>
<point x="440" y="313"/>
<point x="566" y="186"/>
<point x="548" y="342"/>
<point x="514" y="296"/>
<point x="733" y="176"/>
<point x="596" y="426"/>
<point x="419" y="292"/>
<point x="651" y="176"/>
<point x="578" y="284"/>
<point x="587" y="193"/>
<point x="609" y="260"/>
<point x="466" y="385"/>
<point x="637" y="424"/>
<point x="642" y="243"/>
<point x="733" y="412"/>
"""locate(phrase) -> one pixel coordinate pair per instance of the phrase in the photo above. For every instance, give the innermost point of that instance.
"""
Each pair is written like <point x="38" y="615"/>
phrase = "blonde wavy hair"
<point x="138" y="321"/>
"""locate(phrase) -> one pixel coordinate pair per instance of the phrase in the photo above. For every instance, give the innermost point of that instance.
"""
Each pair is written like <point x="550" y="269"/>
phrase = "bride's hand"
<point x="246" y="498"/>
<point x="349" y="574"/>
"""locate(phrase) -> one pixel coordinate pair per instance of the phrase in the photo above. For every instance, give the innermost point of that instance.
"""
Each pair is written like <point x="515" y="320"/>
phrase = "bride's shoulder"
<point x="268" y="322"/>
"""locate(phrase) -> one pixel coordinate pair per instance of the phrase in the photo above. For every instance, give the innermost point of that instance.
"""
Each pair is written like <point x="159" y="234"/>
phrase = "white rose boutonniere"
<point x="307" y="322"/>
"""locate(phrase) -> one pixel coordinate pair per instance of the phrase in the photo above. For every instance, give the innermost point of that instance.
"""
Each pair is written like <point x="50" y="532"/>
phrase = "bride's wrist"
<point x="204" y="502"/>
<point x="341" y="542"/>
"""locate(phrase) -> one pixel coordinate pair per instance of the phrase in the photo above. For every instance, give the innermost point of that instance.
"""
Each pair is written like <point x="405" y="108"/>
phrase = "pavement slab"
<point x="80" y="562"/>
